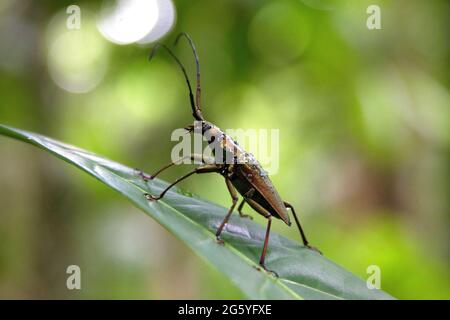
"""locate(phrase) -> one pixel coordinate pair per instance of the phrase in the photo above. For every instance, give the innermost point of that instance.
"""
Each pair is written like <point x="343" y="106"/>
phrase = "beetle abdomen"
<point x="245" y="179"/>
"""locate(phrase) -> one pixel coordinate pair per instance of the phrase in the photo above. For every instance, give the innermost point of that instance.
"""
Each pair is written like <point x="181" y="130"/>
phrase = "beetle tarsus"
<point x="241" y="205"/>
<point x="269" y="271"/>
<point x="149" y="197"/>
<point x="310" y="247"/>
<point x="144" y="176"/>
<point x="245" y="216"/>
<point x="220" y="241"/>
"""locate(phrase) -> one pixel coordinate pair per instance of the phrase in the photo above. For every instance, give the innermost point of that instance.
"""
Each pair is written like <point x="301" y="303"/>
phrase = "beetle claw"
<point x="270" y="271"/>
<point x="144" y="176"/>
<point x="220" y="241"/>
<point x="314" y="249"/>
<point x="242" y="215"/>
<point x="149" y="197"/>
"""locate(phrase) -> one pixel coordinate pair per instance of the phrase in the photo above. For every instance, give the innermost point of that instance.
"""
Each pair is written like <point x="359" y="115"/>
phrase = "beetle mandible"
<point x="242" y="172"/>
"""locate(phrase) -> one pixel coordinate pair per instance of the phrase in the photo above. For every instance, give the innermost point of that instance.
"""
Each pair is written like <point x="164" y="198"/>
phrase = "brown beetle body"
<point x="246" y="173"/>
<point x="245" y="177"/>
<point x="242" y="172"/>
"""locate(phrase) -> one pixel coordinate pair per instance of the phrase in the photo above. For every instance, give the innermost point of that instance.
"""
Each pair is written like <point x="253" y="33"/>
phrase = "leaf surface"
<point x="303" y="274"/>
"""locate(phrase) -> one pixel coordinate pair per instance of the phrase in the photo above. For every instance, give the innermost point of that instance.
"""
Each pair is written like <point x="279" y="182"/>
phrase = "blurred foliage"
<point x="363" y="118"/>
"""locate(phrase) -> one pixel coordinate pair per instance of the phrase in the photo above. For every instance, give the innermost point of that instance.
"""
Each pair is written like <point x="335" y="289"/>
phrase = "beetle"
<point x="242" y="172"/>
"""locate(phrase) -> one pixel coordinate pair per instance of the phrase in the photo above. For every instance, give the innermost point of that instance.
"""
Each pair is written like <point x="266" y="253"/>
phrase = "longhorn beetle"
<point x="241" y="171"/>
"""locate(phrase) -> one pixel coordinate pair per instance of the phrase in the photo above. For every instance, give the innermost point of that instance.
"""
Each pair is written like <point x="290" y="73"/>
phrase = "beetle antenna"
<point x="199" y="89"/>
<point x="196" y="115"/>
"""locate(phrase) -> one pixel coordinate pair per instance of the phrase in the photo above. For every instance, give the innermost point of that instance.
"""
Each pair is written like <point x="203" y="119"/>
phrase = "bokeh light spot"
<point x="77" y="59"/>
<point x="130" y="21"/>
<point x="166" y="20"/>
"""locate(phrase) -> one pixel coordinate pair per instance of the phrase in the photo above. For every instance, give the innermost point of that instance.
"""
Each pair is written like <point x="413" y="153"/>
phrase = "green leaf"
<point x="304" y="274"/>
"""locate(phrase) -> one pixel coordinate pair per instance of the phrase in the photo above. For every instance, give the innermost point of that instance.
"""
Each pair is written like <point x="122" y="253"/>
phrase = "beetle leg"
<point x="234" y="198"/>
<point x="305" y="241"/>
<point x="266" y="242"/>
<point x="207" y="168"/>
<point x="243" y="215"/>
<point x="193" y="157"/>
<point x="260" y="209"/>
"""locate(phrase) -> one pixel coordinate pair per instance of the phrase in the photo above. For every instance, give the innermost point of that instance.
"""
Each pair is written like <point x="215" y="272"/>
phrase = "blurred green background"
<point x="364" y="140"/>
